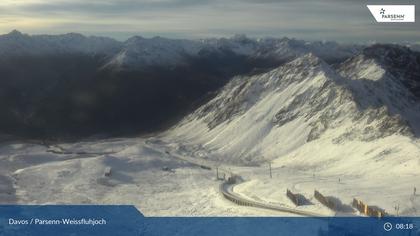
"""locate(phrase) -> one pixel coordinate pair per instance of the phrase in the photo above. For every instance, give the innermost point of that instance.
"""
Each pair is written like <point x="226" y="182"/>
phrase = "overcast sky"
<point x="341" y="20"/>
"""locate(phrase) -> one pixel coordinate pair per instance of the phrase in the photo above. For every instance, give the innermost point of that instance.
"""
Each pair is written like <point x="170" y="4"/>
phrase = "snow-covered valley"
<point x="147" y="173"/>
<point x="142" y="174"/>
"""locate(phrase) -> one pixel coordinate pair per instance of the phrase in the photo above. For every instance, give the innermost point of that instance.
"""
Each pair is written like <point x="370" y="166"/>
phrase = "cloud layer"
<point x="345" y="20"/>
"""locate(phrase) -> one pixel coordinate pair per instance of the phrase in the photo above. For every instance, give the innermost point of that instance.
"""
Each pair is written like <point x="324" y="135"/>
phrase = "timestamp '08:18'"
<point x="404" y="226"/>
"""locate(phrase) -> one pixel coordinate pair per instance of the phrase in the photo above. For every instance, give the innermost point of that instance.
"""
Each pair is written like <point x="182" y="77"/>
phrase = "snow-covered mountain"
<point x="307" y="105"/>
<point x="286" y="49"/>
<point x="348" y="130"/>
<point x="414" y="46"/>
<point x="17" y="43"/>
<point x="140" y="52"/>
<point x="399" y="62"/>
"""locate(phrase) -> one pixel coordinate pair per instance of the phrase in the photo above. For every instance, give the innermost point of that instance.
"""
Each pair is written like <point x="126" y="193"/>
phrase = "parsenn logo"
<point x="382" y="11"/>
<point x="393" y="13"/>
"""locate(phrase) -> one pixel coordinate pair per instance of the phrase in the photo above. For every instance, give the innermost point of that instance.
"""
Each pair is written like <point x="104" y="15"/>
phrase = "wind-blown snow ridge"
<point x="301" y="102"/>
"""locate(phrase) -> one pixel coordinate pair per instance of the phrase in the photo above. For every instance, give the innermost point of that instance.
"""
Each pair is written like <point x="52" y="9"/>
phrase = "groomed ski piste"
<point x="159" y="179"/>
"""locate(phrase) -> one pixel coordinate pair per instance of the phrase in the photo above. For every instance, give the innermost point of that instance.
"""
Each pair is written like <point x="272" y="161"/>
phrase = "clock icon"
<point x="387" y="226"/>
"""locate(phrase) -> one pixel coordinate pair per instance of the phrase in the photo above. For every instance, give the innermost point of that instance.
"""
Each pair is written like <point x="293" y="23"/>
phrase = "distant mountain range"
<point x="138" y="52"/>
<point x="71" y="85"/>
<point x="17" y="43"/>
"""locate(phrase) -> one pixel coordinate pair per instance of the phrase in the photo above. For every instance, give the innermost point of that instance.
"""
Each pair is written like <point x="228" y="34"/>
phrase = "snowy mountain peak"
<point x="16" y="43"/>
<point x="396" y="58"/>
<point x="15" y="33"/>
<point x="139" y="52"/>
<point x="242" y="38"/>
<point x="305" y="67"/>
<point x="134" y="39"/>
<point x="389" y="62"/>
<point x="386" y="52"/>
<point x="363" y="67"/>
<point x="308" y="59"/>
<point x="75" y="36"/>
<point x="299" y="103"/>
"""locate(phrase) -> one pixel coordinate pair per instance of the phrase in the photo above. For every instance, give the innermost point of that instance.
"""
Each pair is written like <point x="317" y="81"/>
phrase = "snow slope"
<point x="267" y="116"/>
<point x="141" y="174"/>
<point x="349" y="131"/>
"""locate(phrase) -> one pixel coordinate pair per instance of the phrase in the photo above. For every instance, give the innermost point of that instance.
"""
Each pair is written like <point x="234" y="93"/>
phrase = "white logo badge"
<point x="393" y="13"/>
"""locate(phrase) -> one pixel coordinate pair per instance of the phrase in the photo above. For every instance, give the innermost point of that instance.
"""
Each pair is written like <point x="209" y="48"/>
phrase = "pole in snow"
<point x="269" y="164"/>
